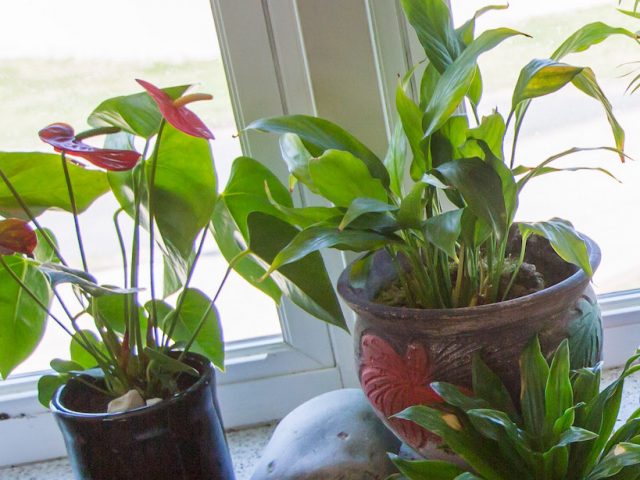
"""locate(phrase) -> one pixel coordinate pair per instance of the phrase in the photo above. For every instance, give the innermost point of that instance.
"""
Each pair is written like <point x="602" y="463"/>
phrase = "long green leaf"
<point x="411" y="118"/>
<point x="444" y="231"/>
<point x="542" y="77"/>
<point x="362" y="206"/>
<point x="320" y="135"/>
<point x="558" y="392"/>
<point x="426" y="469"/>
<point x="587" y="36"/>
<point x="487" y="385"/>
<point x="534" y="372"/>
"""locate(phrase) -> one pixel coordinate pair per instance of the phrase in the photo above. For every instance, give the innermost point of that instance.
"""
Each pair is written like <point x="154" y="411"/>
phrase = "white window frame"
<point x="275" y="65"/>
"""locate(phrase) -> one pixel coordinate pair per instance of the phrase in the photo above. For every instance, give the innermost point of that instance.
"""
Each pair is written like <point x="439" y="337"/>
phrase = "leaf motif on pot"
<point x="393" y="382"/>
<point x="585" y="333"/>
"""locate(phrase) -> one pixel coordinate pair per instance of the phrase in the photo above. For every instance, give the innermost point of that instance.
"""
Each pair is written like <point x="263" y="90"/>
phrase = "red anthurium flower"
<point x="16" y="236"/>
<point x="62" y="137"/>
<point x="176" y="113"/>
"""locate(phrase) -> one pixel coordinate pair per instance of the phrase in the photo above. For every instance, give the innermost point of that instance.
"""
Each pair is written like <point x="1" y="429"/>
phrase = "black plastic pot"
<point x="181" y="438"/>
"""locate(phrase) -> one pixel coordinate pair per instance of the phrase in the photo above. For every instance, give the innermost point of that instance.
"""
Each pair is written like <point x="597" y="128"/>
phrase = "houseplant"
<point x="563" y="428"/>
<point x="444" y="268"/>
<point x="137" y="397"/>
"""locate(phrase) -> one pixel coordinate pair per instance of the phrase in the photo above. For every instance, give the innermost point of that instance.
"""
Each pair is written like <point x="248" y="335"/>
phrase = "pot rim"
<point x="356" y="299"/>
<point x="206" y="376"/>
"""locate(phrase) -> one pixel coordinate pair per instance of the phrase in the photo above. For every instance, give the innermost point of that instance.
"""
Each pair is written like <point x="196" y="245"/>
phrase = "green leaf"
<point x="47" y="386"/>
<point x="488" y="386"/>
<point x="433" y="24"/>
<point x="22" y="320"/>
<point x="184" y="190"/>
<point x="411" y="118"/>
<point x="491" y="131"/>
<point x="412" y="207"/>
<point x="426" y="469"/>
<point x="320" y="135"/>
<point x="229" y="241"/>
<point x="209" y="341"/>
<point x="341" y="178"/>
<point x="396" y="158"/>
<point x="558" y="392"/>
<point x="305" y="281"/>
<point x="454" y="84"/>
<point x="444" y="230"/>
<point x="114" y="309"/>
<point x="59" y="274"/>
<point x="575" y="435"/>
<point x="542" y="77"/>
<point x="455" y="398"/>
<point x="253" y="188"/>
<point x="65" y="366"/>
<point x="81" y="356"/>
<point x="297" y="158"/>
<point x="587" y="36"/>
<point x="43" y="252"/>
<point x="137" y="114"/>
<point x="169" y="364"/>
<point x="481" y="188"/>
<point x="534" y="373"/>
<point x="566" y="242"/>
<point x="624" y="455"/>
<point x="362" y="206"/>
<point x="466" y="32"/>
<point x="585" y="334"/>
<point x="39" y="179"/>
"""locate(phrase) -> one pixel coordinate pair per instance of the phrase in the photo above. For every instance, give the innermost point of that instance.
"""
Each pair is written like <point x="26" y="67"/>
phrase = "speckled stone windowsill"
<point x="247" y="445"/>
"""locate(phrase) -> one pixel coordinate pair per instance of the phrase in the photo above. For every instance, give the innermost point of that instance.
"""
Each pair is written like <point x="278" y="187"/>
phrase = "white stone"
<point x="130" y="400"/>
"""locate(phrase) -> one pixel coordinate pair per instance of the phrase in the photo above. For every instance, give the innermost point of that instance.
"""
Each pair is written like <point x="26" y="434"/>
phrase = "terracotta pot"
<point x="179" y="438"/>
<point x="400" y="351"/>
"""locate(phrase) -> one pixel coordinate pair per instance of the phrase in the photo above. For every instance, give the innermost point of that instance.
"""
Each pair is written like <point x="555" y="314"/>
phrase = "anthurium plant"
<point x="448" y="230"/>
<point x="562" y="429"/>
<point x="157" y="164"/>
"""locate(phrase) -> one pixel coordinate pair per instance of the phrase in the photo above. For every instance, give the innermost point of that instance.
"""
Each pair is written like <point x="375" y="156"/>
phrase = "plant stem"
<point x="523" y="249"/>
<point x="459" y="275"/>
<point x="31" y="216"/>
<point x="74" y="210"/>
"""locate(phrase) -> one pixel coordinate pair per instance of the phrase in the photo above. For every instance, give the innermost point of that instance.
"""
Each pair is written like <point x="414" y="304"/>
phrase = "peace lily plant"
<point x="448" y="231"/>
<point x="158" y="165"/>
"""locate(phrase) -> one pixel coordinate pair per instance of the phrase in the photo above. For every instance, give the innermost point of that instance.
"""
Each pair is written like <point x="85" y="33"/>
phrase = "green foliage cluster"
<point x="563" y="428"/>
<point x="452" y="222"/>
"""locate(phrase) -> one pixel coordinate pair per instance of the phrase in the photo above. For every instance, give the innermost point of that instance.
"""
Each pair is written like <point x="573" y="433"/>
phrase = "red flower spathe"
<point x="178" y="115"/>
<point x="62" y="138"/>
<point x="16" y="236"/>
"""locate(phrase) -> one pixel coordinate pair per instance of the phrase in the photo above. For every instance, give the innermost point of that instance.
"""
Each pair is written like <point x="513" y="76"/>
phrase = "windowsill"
<point x="246" y="447"/>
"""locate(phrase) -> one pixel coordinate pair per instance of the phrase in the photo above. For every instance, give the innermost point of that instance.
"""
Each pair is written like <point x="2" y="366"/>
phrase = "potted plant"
<point x="137" y="398"/>
<point x="444" y="268"/>
<point x="562" y="429"/>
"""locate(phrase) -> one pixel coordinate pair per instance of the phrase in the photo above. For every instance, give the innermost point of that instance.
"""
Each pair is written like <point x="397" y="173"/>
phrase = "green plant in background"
<point x="452" y="224"/>
<point x="562" y="429"/>
<point x="136" y="336"/>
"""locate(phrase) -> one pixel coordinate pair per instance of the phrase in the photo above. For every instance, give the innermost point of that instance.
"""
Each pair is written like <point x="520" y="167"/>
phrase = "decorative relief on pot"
<point x="392" y="383"/>
<point x="585" y="333"/>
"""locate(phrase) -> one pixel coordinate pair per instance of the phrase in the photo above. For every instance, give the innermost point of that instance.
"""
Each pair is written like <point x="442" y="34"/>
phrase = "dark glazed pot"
<point x="181" y="438"/>
<point x="400" y="351"/>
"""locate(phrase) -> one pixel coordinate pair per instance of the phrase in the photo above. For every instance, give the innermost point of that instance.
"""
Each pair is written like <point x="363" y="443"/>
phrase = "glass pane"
<point x="57" y="64"/>
<point x="597" y="205"/>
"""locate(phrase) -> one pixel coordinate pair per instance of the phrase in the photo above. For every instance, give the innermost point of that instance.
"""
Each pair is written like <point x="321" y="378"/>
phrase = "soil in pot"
<point x="181" y="438"/>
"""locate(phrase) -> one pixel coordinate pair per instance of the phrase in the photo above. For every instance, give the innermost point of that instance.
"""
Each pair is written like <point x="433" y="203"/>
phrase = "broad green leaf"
<point x="444" y="231"/>
<point x="184" y="190"/>
<point x="342" y="177"/>
<point x="488" y="386"/>
<point x="623" y="455"/>
<point x="39" y="179"/>
<point x="494" y="425"/>
<point x="79" y="354"/>
<point x="362" y="206"/>
<point x="454" y="84"/>
<point x="426" y="469"/>
<point x="566" y="242"/>
<point x="428" y="83"/>
<point x="304" y="281"/>
<point x="586" y="385"/>
<point x="412" y="207"/>
<point x="433" y="24"/>
<point x="587" y="36"/>
<point x="297" y="158"/>
<point x="396" y="158"/>
<point x="411" y="118"/>
<point x="137" y="114"/>
<point x="507" y="180"/>
<point x="585" y="334"/>
<point x="230" y="243"/>
<point x="65" y="366"/>
<point x="542" y="77"/>
<point x="196" y="312"/>
<point x="558" y="392"/>
<point x="481" y="188"/>
<point x="47" y="386"/>
<point x="304" y="217"/>
<point x="625" y="433"/>
<point x="320" y="135"/>
<point x="43" y="252"/>
<point x="455" y="398"/>
<point x="113" y="311"/>
<point x="491" y="132"/>
<point x="58" y="274"/>
<point x="575" y="435"/>
<point x="360" y="269"/>
<point x="22" y="320"/>
<point x="534" y="372"/>
<point x="169" y="364"/>
<point x="314" y="239"/>
<point x="475" y="450"/>
<point x="475" y="231"/>
<point x="253" y="188"/>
